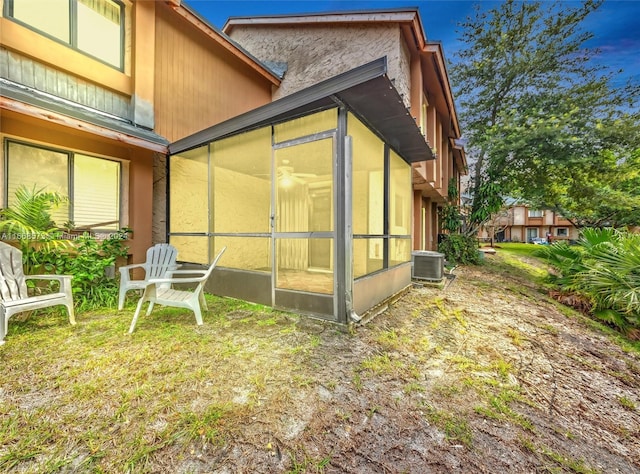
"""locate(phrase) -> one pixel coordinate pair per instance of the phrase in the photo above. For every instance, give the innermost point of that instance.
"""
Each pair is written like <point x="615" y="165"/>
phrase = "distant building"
<point x="522" y="224"/>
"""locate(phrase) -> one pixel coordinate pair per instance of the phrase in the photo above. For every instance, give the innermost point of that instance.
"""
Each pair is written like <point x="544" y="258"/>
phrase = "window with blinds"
<point x="92" y="184"/>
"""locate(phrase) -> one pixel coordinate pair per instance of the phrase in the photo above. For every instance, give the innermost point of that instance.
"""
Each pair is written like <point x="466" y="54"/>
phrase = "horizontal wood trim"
<point x="60" y="119"/>
<point x="27" y="42"/>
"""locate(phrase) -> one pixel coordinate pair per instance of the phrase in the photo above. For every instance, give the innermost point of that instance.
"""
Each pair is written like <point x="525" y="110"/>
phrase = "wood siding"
<point x="42" y="77"/>
<point x="197" y="82"/>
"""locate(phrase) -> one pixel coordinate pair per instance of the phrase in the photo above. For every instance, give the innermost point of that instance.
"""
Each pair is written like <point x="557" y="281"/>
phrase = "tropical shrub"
<point x="28" y="221"/>
<point x="460" y="249"/>
<point x="450" y="216"/>
<point x="604" y="267"/>
<point x="90" y="261"/>
<point x="45" y="248"/>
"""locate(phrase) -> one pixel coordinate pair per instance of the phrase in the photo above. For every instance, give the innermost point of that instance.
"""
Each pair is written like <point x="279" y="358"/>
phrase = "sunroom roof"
<point x="365" y="90"/>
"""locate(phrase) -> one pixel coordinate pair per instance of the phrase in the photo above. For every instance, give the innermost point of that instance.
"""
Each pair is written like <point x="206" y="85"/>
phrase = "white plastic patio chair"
<point x="160" y="259"/>
<point x="160" y="290"/>
<point x="14" y="297"/>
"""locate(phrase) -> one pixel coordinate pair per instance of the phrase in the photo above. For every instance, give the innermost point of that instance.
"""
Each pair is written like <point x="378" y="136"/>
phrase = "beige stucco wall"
<point x="516" y="234"/>
<point x="549" y="217"/>
<point x="314" y="53"/>
<point x="518" y="215"/>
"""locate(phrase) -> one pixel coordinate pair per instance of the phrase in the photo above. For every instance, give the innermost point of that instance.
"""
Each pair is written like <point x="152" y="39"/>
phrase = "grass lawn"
<point x="516" y="248"/>
<point x="92" y="398"/>
<point x="519" y="259"/>
<point x="434" y="381"/>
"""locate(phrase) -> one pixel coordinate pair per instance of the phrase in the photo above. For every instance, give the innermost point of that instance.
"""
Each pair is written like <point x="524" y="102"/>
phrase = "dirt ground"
<point x="485" y="375"/>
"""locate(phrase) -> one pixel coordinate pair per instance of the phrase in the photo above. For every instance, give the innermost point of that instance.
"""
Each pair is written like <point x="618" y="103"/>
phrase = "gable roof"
<point x="366" y="91"/>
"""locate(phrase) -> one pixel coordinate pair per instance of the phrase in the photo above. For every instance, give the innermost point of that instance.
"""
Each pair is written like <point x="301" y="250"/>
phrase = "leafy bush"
<point x="604" y="267"/>
<point x="460" y="249"/>
<point x="28" y="221"/>
<point x="45" y="250"/>
<point x="87" y="260"/>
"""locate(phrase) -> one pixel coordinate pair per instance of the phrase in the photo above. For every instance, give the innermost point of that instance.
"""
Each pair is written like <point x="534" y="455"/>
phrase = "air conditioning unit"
<point x="427" y="265"/>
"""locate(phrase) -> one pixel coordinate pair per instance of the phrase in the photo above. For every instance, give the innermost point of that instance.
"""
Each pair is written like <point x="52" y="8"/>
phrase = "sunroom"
<point x="311" y="195"/>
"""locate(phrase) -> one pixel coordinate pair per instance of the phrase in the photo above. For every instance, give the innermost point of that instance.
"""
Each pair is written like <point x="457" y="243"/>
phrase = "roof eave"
<point x="387" y="15"/>
<point x="435" y="49"/>
<point x="23" y="100"/>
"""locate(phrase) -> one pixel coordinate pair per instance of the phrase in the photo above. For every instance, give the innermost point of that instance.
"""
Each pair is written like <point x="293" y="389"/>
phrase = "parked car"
<point x="538" y="241"/>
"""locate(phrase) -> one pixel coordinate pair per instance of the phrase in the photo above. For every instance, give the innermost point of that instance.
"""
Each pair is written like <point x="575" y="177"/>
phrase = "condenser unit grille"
<point x="428" y="265"/>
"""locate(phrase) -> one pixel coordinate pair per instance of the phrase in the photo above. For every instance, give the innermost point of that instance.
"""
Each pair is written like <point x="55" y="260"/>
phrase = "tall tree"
<point x="536" y="109"/>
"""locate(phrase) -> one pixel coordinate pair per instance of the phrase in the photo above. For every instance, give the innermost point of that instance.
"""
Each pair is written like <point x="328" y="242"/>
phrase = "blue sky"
<point x="615" y="24"/>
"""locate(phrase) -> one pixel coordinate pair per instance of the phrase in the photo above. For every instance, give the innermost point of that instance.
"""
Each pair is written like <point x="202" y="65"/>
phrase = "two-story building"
<point x="314" y="47"/>
<point x="92" y="93"/>
<point x="319" y="167"/>
<point x="520" y="223"/>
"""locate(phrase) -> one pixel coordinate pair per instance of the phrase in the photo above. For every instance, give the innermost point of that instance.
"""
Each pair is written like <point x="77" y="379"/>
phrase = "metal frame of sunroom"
<point x="369" y="95"/>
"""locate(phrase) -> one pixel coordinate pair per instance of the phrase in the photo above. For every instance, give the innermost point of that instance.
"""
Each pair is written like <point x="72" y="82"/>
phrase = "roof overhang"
<point x="366" y="91"/>
<point x="435" y="51"/>
<point x="403" y="15"/>
<point x="460" y="156"/>
<point x="27" y="101"/>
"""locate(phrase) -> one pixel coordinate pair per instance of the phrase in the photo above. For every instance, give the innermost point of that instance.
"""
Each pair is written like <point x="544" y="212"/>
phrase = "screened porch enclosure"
<point x="314" y="208"/>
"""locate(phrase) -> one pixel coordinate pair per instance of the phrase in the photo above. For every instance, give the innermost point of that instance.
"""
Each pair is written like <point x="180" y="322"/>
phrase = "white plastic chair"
<point x="159" y="290"/>
<point x="14" y="297"/>
<point x="161" y="258"/>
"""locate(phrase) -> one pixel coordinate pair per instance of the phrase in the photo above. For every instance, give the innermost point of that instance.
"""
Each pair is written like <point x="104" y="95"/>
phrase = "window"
<point x="92" y="184"/>
<point x="94" y="27"/>
<point x="381" y="215"/>
<point x="535" y="213"/>
<point x="562" y="232"/>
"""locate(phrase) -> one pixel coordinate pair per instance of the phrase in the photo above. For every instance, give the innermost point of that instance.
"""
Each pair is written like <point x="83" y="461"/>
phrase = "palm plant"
<point x="568" y="260"/>
<point x="28" y="221"/>
<point x="605" y="268"/>
<point x="613" y="278"/>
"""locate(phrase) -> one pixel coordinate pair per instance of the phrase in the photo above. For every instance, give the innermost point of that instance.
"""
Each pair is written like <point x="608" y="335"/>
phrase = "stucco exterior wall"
<point x="549" y="217"/>
<point x="314" y="53"/>
<point x="517" y="234"/>
<point x="518" y="215"/>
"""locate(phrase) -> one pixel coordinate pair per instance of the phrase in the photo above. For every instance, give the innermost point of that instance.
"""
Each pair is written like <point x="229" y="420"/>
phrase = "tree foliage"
<point x="542" y="120"/>
<point x="450" y="216"/>
<point x="29" y="221"/>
